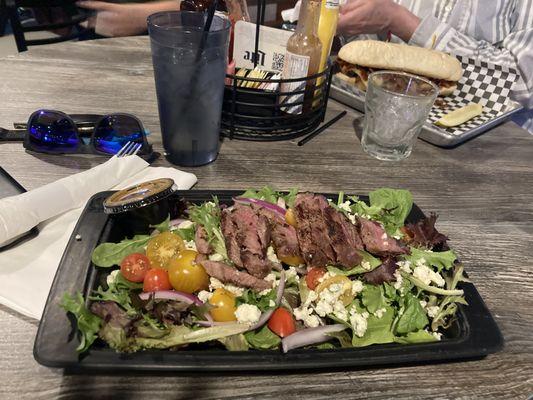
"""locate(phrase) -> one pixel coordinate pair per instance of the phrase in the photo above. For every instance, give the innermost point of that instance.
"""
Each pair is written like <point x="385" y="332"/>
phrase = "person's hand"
<point x="376" y="16"/>
<point x="116" y="19"/>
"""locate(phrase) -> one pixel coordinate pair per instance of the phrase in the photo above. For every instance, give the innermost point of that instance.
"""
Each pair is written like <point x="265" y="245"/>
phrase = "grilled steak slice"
<point x="229" y="230"/>
<point x="377" y="241"/>
<point x="283" y="235"/>
<point x="383" y="273"/>
<point x="247" y="236"/>
<point x="313" y="235"/>
<point x="200" y="239"/>
<point x="344" y="238"/>
<point x="227" y="274"/>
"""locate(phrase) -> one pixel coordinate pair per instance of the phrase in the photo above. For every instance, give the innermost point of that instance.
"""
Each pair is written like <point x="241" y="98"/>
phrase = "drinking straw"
<point x="207" y="27"/>
<point x="321" y="129"/>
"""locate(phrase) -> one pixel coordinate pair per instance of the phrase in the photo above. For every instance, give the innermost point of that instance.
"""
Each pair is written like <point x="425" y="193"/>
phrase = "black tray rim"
<point x="480" y="338"/>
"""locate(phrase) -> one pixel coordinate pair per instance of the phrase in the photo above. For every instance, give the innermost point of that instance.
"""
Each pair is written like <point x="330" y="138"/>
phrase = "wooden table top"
<point x="482" y="190"/>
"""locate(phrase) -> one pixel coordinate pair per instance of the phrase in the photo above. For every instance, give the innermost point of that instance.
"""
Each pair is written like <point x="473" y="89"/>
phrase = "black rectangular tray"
<point x="474" y="334"/>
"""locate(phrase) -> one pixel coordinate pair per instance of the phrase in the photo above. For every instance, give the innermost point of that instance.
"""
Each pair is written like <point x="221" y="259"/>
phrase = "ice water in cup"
<point x="396" y="107"/>
<point x="189" y="84"/>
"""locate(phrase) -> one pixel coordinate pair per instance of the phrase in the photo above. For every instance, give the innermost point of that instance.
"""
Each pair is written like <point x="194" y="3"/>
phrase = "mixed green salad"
<point x="275" y="270"/>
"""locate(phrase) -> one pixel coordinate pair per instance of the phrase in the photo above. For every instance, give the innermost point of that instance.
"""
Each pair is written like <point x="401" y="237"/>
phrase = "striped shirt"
<point x="496" y="31"/>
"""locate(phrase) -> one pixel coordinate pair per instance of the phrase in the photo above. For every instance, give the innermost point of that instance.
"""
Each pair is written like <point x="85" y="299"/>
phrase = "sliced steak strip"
<point x="377" y="241"/>
<point x="247" y="236"/>
<point x="283" y="235"/>
<point x="229" y="230"/>
<point x="344" y="238"/>
<point x="311" y="229"/>
<point x="200" y="239"/>
<point x="227" y="274"/>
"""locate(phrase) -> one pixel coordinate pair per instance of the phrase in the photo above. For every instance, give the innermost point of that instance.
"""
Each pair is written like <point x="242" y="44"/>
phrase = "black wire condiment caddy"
<point x="262" y="115"/>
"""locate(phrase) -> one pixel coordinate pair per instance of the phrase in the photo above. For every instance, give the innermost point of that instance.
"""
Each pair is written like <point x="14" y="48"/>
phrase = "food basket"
<point x="260" y="115"/>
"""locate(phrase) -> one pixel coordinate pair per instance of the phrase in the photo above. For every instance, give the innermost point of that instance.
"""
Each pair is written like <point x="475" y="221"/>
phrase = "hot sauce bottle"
<point x="302" y="58"/>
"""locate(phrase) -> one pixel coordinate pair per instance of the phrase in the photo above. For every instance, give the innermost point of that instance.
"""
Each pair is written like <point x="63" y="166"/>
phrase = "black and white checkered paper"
<point x="482" y="83"/>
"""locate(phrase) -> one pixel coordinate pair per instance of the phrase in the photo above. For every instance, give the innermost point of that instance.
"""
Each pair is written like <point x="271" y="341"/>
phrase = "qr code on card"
<point x="277" y="61"/>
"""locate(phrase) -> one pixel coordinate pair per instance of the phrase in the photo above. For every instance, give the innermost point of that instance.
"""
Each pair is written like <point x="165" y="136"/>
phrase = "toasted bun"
<point x="400" y="57"/>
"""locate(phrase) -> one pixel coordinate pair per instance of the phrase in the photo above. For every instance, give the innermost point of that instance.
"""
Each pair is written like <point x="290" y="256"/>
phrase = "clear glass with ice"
<point x="396" y="106"/>
<point x="189" y="83"/>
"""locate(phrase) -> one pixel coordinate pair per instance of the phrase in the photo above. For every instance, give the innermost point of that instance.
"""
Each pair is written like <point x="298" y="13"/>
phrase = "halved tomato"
<point x="282" y="322"/>
<point x="134" y="267"/>
<point x="163" y="247"/>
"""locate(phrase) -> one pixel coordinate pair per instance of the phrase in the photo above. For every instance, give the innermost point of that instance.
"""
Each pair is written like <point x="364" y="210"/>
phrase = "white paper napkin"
<point x="291" y="14"/>
<point x="27" y="270"/>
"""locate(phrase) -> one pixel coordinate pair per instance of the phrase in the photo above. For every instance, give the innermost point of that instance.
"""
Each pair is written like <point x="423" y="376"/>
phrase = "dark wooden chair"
<point x="47" y="12"/>
<point x="3" y="17"/>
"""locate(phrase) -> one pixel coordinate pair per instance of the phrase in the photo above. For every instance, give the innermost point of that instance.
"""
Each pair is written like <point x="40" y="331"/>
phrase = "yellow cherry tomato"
<point x="292" y="260"/>
<point x="346" y="287"/>
<point x="185" y="275"/>
<point x="290" y="218"/>
<point x="224" y="302"/>
<point x="163" y="247"/>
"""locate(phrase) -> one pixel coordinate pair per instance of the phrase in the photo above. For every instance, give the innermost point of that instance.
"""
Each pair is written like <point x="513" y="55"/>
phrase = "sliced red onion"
<point x="172" y="295"/>
<point x="267" y="314"/>
<point x="177" y="221"/>
<point x="272" y="207"/>
<point x="213" y="323"/>
<point x="310" y="336"/>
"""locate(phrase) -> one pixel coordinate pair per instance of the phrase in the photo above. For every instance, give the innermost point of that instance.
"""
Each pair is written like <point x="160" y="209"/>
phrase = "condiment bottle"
<point x="302" y="58"/>
<point x="327" y="26"/>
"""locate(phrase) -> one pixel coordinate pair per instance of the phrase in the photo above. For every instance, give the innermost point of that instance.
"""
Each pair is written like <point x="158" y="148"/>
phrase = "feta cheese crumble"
<point x="214" y="284"/>
<point x="190" y="245"/>
<point x="271" y="255"/>
<point x="216" y="257"/>
<point x="432" y="311"/>
<point x="204" y="296"/>
<point x="110" y="279"/>
<point x="379" y="313"/>
<point x="427" y="275"/>
<point x="359" y="322"/>
<point x="248" y="313"/>
<point x="306" y="315"/>
<point x="357" y="287"/>
<point x="366" y="265"/>
<point x="399" y="280"/>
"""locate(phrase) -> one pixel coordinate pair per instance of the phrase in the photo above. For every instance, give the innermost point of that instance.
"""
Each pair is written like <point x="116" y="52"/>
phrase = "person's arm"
<point x="127" y="19"/>
<point x="515" y="51"/>
<point x="377" y="16"/>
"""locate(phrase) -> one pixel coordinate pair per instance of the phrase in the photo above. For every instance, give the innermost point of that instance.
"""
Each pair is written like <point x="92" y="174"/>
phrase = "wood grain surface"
<point x="482" y="190"/>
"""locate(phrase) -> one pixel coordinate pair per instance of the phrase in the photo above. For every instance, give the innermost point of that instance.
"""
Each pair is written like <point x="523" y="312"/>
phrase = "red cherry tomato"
<point x="134" y="267"/>
<point x="313" y="276"/>
<point x="282" y="323"/>
<point x="155" y="280"/>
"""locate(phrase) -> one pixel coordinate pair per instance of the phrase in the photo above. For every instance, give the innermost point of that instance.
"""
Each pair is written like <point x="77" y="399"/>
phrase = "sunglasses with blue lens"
<point x="50" y="131"/>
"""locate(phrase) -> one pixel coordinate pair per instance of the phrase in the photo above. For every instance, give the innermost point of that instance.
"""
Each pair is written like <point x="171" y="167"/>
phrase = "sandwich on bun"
<point x="359" y="58"/>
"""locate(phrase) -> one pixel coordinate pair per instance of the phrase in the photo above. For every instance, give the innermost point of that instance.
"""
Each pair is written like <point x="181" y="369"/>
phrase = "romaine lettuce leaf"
<point x="264" y="339"/>
<point x="372" y="298"/>
<point x="379" y="330"/>
<point x="413" y="317"/>
<point x="440" y="260"/>
<point x="420" y="336"/>
<point x="108" y="254"/>
<point x="208" y="215"/>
